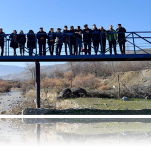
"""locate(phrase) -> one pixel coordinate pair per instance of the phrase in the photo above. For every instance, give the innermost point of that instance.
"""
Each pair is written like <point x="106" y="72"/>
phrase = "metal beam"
<point x="37" y="67"/>
<point x="77" y="58"/>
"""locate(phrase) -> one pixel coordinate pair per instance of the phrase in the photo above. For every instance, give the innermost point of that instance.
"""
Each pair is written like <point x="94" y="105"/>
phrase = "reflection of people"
<point x="41" y="36"/>
<point x="112" y="37"/>
<point x="51" y="40"/>
<point x="14" y="43"/>
<point x="2" y="41"/>
<point x="65" y="38"/>
<point x="31" y="42"/>
<point x="121" y="38"/>
<point x="22" y="41"/>
<point x="95" y="38"/>
<point x="58" y="41"/>
<point x="103" y="34"/>
<point x="87" y="39"/>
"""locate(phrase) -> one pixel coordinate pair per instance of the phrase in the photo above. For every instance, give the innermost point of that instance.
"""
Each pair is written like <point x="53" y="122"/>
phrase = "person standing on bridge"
<point x="65" y="38"/>
<point x="121" y="38"/>
<point x="14" y="41"/>
<point x="22" y="41"/>
<point x="72" y="41"/>
<point x="95" y="38"/>
<point x="58" y="41"/>
<point x="102" y="39"/>
<point x="31" y="42"/>
<point x="2" y="41"/>
<point x="78" y="34"/>
<point x="41" y="36"/>
<point x="112" y="37"/>
<point x="87" y="39"/>
<point x="51" y="40"/>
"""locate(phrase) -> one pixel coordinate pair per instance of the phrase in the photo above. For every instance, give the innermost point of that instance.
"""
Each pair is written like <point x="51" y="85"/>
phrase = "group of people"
<point x="72" y="38"/>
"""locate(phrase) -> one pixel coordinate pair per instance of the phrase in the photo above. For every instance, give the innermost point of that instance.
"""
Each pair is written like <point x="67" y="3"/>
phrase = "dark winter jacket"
<point x="95" y="34"/>
<point x="121" y="36"/>
<point x="31" y="40"/>
<point x="72" y="38"/>
<point x="41" y="34"/>
<point x="14" y="42"/>
<point x="87" y="36"/>
<point x="77" y="33"/>
<point x="2" y="36"/>
<point x="51" y="36"/>
<point x="66" y="38"/>
<point x="22" y="38"/>
<point x="59" y="39"/>
<point x="103" y="34"/>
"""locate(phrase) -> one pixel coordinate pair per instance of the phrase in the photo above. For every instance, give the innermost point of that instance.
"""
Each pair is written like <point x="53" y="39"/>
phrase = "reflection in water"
<point x="75" y="132"/>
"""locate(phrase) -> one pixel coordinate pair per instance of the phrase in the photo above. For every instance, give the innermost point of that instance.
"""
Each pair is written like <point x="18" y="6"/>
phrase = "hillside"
<point x="9" y="69"/>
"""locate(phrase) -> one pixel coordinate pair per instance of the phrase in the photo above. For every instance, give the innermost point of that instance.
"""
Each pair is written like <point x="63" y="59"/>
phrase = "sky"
<point x="134" y="15"/>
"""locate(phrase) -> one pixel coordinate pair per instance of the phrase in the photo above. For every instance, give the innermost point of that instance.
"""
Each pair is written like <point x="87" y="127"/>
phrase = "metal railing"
<point x="130" y="37"/>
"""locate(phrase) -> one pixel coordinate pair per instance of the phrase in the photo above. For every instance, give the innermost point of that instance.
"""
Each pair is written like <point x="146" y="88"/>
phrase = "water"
<point x="75" y="132"/>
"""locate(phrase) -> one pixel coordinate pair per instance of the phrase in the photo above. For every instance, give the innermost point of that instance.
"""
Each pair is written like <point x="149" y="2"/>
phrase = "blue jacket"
<point x="58" y="39"/>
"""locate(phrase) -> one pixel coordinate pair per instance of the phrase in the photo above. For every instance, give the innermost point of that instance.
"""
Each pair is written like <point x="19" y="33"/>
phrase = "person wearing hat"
<point x="65" y="38"/>
<point x="95" y="38"/>
<point x="87" y="39"/>
<point x="41" y="36"/>
<point x="2" y="41"/>
<point x="58" y="41"/>
<point x="51" y="40"/>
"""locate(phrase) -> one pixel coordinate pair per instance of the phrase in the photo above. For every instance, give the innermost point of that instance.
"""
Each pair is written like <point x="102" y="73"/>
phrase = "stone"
<point x="79" y="92"/>
<point x="65" y="93"/>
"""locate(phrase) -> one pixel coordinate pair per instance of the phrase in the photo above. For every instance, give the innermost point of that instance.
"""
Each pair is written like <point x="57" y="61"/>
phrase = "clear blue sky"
<point x="134" y="15"/>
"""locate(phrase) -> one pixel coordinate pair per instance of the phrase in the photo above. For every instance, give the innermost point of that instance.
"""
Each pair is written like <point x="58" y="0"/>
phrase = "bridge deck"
<point x="78" y="58"/>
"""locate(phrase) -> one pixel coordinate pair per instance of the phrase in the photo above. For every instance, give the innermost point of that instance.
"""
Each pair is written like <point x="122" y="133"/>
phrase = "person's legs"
<point x="40" y="49"/>
<point x="15" y="51"/>
<point x="75" y="49"/>
<point x="104" y="46"/>
<point x="52" y="49"/>
<point x="60" y="47"/>
<point x="57" y="53"/>
<point x="44" y="48"/>
<point x="114" y="46"/>
<point x="120" y="44"/>
<point x="80" y="46"/>
<point x="30" y="51"/>
<point x="2" y="50"/>
<point x="123" y="47"/>
<point x="85" y="48"/>
<point x="110" y="46"/>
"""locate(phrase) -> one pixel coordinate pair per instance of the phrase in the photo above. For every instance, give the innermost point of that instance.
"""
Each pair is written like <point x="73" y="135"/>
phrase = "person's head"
<point x="78" y="27"/>
<point x="58" y="29"/>
<point x="1" y="30"/>
<point x="119" y="25"/>
<point x="101" y="28"/>
<point x="14" y="31"/>
<point x="51" y="30"/>
<point x="71" y="27"/>
<point x="21" y="32"/>
<point x="31" y="31"/>
<point x="94" y="26"/>
<point x="85" y="26"/>
<point x="110" y="27"/>
<point x="65" y="27"/>
<point x="41" y="29"/>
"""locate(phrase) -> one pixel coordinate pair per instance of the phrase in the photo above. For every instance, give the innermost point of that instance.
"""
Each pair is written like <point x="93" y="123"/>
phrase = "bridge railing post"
<point x="37" y="68"/>
<point x="133" y="42"/>
<point x="8" y="46"/>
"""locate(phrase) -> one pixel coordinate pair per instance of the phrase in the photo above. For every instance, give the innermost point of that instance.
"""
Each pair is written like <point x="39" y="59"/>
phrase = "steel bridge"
<point x="138" y="53"/>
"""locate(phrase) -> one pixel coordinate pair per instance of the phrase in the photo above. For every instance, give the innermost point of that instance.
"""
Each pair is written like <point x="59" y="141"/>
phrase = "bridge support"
<point x="37" y="66"/>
